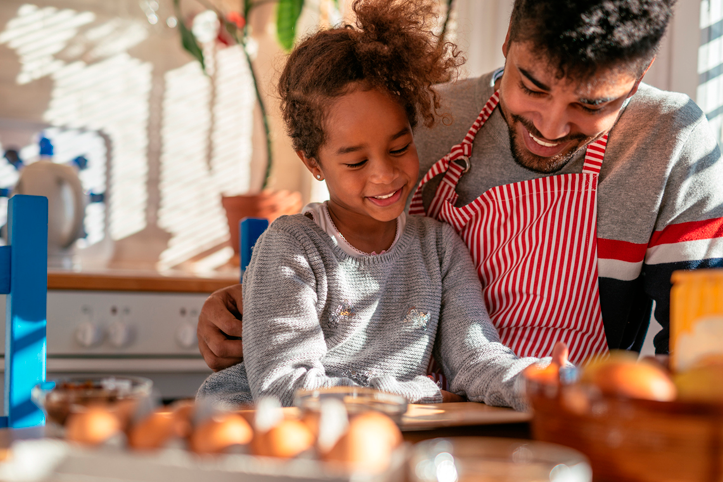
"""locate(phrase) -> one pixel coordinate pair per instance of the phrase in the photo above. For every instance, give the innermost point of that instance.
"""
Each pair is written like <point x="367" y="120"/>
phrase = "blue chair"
<point x="24" y="279"/>
<point x="250" y="230"/>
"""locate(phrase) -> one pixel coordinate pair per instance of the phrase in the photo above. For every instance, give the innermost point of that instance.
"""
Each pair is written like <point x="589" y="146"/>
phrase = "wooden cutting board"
<point x="443" y="415"/>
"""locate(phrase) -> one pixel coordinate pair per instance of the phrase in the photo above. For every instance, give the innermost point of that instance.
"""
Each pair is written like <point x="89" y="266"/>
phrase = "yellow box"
<point x="696" y="317"/>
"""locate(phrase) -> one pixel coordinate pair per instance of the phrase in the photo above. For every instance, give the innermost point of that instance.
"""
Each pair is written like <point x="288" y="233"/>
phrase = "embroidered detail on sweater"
<point x="417" y="318"/>
<point x="344" y="312"/>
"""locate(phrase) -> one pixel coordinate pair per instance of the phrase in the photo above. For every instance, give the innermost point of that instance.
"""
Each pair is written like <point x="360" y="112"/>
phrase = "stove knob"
<point x="89" y="334"/>
<point x="120" y="334"/>
<point x="186" y="335"/>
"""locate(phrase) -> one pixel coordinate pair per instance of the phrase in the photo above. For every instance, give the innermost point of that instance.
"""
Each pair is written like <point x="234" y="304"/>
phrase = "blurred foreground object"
<point x="493" y="459"/>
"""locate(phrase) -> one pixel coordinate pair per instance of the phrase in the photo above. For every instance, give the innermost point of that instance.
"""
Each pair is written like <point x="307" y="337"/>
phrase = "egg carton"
<point x="66" y="462"/>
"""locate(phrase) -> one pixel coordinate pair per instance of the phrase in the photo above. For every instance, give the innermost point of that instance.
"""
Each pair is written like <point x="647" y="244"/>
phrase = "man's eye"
<point x="530" y="92"/>
<point x="591" y="110"/>
<point x="402" y="150"/>
<point x="358" y="164"/>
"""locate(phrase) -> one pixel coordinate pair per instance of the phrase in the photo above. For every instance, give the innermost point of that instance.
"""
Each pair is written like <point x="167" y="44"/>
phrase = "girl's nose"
<point x="384" y="170"/>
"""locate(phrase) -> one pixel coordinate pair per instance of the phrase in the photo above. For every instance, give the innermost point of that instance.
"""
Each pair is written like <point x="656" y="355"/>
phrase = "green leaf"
<point x="188" y="40"/>
<point x="287" y="14"/>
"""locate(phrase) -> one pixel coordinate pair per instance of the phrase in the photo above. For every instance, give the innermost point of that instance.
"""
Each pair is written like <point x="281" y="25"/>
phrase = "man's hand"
<point x="219" y="328"/>
<point x="560" y="353"/>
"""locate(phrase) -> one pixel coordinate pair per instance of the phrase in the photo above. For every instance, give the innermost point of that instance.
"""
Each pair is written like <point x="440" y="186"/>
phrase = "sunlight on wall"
<point x="110" y="94"/>
<point x="100" y="87"/>
<point x="38" y="34"/>
<point x="710" y="64"/>
<point x="233" y="117"/>
<point x="192" y="178"/>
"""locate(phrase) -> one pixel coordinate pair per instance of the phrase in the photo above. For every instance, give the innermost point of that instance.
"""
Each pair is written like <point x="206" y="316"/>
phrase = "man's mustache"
<point x="533" y="130"/>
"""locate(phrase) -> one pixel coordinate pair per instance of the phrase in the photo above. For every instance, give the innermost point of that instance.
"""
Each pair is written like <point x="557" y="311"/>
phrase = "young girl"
<point x="352" y="291"/>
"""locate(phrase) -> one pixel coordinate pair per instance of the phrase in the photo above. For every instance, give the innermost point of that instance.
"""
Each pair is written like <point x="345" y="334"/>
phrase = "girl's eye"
<point x="358" y="164"/>
<point x="527" y="91"/>
<point x="402" y="150"/>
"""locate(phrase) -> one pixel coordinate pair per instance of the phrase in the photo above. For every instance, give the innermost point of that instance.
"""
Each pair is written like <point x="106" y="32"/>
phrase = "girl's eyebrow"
<point x="401" y="133"/>
<point x="349" y="149"/>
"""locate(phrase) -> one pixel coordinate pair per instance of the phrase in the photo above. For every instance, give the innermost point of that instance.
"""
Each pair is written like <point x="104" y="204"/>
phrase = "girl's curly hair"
<point x="391" y="48"/>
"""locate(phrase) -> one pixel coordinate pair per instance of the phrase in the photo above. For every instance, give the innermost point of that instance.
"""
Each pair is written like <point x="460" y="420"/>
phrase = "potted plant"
<point x="234" y="28"/>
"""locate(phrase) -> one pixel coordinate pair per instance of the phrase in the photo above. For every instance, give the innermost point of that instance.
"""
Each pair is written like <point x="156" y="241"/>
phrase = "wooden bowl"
<point x="629" y="440"/>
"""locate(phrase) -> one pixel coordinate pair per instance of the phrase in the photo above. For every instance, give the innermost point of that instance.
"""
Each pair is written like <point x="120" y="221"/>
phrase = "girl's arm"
<point x="468" y="347"/>
<point x="283" y="339"/>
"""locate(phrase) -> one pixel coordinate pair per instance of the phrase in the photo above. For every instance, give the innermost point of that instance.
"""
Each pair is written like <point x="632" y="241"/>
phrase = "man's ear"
<point x="311" y="165"/>
<point x="506" y="45"/>
<point x="640" y="79"/>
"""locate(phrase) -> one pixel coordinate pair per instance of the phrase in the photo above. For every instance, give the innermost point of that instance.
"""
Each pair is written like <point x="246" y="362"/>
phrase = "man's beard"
<point x="544" y="165"/>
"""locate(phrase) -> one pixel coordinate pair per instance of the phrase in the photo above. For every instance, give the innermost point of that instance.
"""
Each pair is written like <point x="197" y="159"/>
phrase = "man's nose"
<point x="553" y="123"/>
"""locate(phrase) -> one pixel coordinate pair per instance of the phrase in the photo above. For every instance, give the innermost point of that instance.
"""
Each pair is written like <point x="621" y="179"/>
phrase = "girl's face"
<point x="369" y="160"/>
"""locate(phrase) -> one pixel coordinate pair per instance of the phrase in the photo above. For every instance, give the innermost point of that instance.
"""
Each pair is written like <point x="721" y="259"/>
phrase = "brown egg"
<point x="219" y="433"/>
<point x="92" y="426"/>
<point x="627" y="377"/>
<point x="153" y="431"/>
<point x="311" y="420"/>
<point x="368" y="443"/>
<point x="286" y="439"/>
<point x="182" y="414"/>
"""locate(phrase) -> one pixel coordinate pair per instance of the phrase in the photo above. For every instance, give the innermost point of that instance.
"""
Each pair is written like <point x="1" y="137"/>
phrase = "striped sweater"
<point x="660" y="196"/>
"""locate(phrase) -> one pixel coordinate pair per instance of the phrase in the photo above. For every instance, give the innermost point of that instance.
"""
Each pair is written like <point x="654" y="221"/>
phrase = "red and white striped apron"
<point x="534" y="244"/>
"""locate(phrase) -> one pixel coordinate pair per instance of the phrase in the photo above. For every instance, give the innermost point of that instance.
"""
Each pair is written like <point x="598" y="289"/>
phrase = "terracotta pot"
<point x="266" y="204"/>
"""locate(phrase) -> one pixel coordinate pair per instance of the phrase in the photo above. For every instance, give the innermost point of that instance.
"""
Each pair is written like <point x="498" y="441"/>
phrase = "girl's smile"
<point x="370" y="165"/>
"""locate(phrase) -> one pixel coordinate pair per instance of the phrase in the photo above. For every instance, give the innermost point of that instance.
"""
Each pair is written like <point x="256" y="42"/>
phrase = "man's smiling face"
<point x="551" y="119"/>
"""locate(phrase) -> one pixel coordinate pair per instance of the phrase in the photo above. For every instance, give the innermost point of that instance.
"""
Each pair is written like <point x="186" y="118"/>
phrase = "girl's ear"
<point x="311" y="165"/>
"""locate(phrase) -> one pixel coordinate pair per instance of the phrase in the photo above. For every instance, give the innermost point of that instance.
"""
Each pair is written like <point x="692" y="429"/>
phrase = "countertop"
<point x="145" y="281"/>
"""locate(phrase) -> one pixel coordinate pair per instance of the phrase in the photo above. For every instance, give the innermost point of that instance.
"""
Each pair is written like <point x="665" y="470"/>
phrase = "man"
<point x="575" y="129"/>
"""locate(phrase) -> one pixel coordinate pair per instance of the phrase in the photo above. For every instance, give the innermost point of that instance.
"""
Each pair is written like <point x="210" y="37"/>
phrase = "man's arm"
<point x="689" y="231"/>
<point x="219" y="328"/>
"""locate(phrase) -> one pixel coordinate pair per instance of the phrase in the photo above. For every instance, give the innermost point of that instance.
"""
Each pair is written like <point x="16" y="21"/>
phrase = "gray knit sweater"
<point x="317" y="317"/>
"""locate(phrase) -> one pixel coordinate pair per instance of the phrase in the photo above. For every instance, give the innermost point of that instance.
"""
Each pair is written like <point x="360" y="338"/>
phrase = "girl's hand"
<point x="448" y="397"/>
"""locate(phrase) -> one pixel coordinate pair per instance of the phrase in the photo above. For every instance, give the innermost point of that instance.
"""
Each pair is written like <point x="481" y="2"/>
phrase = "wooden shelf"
<point x="137" y="281"/>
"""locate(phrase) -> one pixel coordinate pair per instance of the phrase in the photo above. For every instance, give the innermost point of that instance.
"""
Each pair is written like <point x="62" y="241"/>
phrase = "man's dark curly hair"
<point x="578" y="37"/>
<point x="391" y="48"/>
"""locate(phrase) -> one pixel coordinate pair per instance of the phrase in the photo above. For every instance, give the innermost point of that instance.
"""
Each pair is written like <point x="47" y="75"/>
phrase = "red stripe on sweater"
<point x="691" y="231"/>
<point x="621" y="250"/>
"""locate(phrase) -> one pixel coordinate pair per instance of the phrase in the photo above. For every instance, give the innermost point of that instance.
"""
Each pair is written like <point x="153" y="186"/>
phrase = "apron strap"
<point x="594" y="156"/>
<point x="463" y="150"/>
<point x="453" y="171"/>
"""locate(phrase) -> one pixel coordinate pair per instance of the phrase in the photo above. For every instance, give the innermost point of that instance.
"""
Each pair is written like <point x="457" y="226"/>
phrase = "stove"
<point x="148" y="334"/>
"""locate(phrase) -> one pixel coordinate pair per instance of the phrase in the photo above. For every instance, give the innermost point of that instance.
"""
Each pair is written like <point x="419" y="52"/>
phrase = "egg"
<point x="182" y="414"/>
<point x="92" y="426"/>
<point x="153" y="431"/>
<point x="219" y="433"/>
<point x="625" y="376"/>
<point x="311" y="420"/>
<point x="368" y="443"/>
<point x="286" y="439"/>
